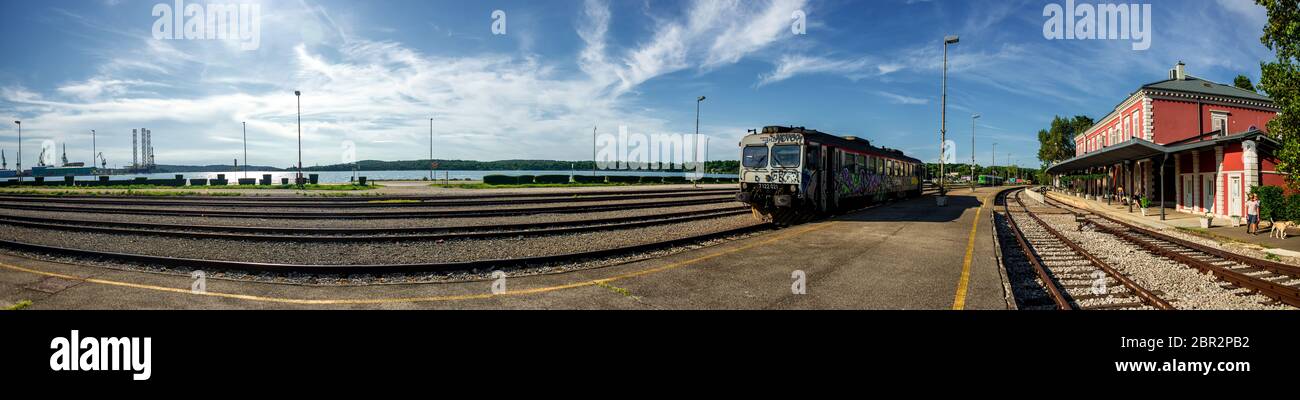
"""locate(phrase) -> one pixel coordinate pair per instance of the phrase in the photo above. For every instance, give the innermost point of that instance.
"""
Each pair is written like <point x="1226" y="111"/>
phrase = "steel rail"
<point x="372" y="268"/>
<point x="272" y="230"/>
<point x="1145" y="295"/>
<point x="1049" y="283"/>
<point x="372" y="215"/>
<point x="388" y="203"/>
<point x="1283" y="293"/>
<point x="366" y="198"/>
<point x="485" y="232"/>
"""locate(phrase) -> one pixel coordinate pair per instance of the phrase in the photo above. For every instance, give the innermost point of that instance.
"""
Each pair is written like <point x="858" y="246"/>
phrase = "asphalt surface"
<point x="905" y="255"/>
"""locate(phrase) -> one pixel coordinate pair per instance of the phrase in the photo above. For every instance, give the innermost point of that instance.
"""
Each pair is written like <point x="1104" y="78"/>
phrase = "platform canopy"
<point x="1137" y="149"/>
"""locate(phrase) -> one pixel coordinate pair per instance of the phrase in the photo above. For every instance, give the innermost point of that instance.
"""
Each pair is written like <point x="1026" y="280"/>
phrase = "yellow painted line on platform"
<point x="670" y="266"/>
<point x="959" y="303"/>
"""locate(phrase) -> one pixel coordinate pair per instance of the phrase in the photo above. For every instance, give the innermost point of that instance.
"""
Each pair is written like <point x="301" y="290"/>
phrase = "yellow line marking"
<point x="539" y="290"/>
<point x="960" y="302"/>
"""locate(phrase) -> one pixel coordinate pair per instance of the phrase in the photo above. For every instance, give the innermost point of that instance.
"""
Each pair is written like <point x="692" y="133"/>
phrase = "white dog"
<point x="1279" y="229"/>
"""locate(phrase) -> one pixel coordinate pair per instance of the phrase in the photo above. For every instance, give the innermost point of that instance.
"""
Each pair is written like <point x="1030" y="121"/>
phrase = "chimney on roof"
<point x="1179" y="72"/>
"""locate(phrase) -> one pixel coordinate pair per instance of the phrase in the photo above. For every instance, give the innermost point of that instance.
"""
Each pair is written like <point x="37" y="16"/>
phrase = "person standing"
<point x="1252" y="215"/>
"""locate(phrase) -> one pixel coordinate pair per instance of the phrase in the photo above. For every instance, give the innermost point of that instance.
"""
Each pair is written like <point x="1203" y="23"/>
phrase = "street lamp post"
<point x="696" y="145"/>
<point x="94" y="150"/>
<point x="20" y="152"/>
<point x="245" y="124"/>
<point x="943" y="112"/>
<point x="994" y="163"/>
<point x="298" y="94"/>
<point x="973" y="117"/>
<point x="430" y="149"/>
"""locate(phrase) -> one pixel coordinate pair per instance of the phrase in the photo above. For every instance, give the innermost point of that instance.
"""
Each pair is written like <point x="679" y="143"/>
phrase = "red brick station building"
<point x="1192" y="145"/>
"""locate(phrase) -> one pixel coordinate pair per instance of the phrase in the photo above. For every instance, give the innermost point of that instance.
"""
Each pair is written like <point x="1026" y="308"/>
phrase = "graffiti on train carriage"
<point x="855" y="182"/>
<point x="782" y="176"/>
<point x="784" y="138"/>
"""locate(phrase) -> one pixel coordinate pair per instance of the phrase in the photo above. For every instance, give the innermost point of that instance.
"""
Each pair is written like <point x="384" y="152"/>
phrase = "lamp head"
<point x="701" y="98"/>
<point x="951" y="39"/>
<point x="297" y="93"/>
<point x="975" y="116"/>
<point x="18" y="122"/>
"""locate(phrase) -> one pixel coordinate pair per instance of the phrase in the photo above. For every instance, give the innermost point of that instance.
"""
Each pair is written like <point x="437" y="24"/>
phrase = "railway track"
<point x="1071" y="277"/>
<point x="249" y="233"/>
<point x="370" y="214"/>
<point x="389" y="202"/>
<point x="136" y="199"/>
<point x="241" y="266"/>
<point x="1277" y="281"/>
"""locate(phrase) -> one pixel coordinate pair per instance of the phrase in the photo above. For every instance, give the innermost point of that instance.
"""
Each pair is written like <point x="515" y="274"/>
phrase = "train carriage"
<point x="791" y="174"/>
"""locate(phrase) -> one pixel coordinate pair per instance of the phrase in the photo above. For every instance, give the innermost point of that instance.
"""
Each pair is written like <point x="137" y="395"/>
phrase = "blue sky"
<point x="374" y="72"/>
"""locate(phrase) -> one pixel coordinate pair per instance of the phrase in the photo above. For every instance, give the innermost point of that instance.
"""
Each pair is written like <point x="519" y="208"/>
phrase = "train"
<point x="792" y="174"/>
<point x="990" y="180"/>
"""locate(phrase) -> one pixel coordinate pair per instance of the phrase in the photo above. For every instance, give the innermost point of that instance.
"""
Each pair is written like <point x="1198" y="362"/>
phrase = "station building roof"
<point x="1137" y="149"/>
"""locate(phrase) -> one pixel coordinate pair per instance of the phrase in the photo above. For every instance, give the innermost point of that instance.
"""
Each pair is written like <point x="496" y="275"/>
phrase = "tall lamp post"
<point x="245" y="125"/>
<point x="943" y="112"/>
<point x="696" y="145"/>
<point x="430" y="150"/>
<point x="994" y="163"/>
<point x="973" y="117"/>
<point x="298" y="95"/>
<point x="94" y="150"/>
<point x="20" y="152"/>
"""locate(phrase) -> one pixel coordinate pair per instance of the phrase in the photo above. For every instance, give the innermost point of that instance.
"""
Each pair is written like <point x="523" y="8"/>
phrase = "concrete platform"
<point x="1221" y="229"/>
<point x="906" y="255"/>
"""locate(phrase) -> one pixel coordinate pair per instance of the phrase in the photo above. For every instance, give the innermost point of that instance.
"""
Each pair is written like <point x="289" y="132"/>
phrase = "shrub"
<point x="524" y="179"/>
<point x="588" y="179"/>
<point x="1272" y="203"/>
<point x="674" y="179"/>
<point x="1292" y="208"/>
<point x="499" y="180"/>
<point x="623" y="179"/>
<point x="651" y="179"/>
<point x="552" y="179"/>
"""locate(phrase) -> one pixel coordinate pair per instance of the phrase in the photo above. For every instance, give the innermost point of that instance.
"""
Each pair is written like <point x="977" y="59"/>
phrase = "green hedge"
<point x="623" y="179"/>
<point x="650" y="179"/>
<point x="674" y="179"/>
<point x="1272" y="203"/>
<point x="552" y="179"/>
<point x="499" y="180"/>
<point x="588" y="179"/>
<point x="524" y="179"/>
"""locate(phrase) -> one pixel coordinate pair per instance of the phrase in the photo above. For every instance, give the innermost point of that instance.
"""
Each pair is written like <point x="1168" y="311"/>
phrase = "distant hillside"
<point x="165" y="169"/>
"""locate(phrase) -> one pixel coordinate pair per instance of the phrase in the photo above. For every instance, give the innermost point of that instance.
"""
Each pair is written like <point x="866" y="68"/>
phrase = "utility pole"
<point x="298" y="94"/>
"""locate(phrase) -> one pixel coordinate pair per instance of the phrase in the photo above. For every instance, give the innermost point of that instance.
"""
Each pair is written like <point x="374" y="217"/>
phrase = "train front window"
<point x="786" y="155"/>
<point x="754" y="156"/>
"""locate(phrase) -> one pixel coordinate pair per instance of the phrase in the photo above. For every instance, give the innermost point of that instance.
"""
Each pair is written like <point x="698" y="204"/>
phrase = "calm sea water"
<point x="346" y="176"/>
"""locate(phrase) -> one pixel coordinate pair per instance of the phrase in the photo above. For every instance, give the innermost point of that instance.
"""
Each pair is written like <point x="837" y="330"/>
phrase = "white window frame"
<point x="1134" y="122"/>
<point x="1216" y="116"/>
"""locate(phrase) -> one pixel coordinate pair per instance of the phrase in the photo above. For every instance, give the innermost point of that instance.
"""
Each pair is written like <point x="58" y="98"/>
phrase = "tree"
<point x="1243" y="82"/>
<point x="1057" y="143"/>
<point x="1281" y="81"/>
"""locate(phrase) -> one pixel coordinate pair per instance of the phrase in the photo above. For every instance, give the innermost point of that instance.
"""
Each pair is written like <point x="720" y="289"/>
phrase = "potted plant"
<point x="1145" y="203"/>
<point x="1207" y="220"/>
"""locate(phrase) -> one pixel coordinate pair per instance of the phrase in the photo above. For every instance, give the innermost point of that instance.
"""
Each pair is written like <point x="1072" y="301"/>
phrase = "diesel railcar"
<point x="791" y="174"/>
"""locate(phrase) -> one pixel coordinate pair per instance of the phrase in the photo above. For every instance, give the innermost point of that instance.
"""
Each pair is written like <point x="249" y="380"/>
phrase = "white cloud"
<point x="900" y="99"/>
